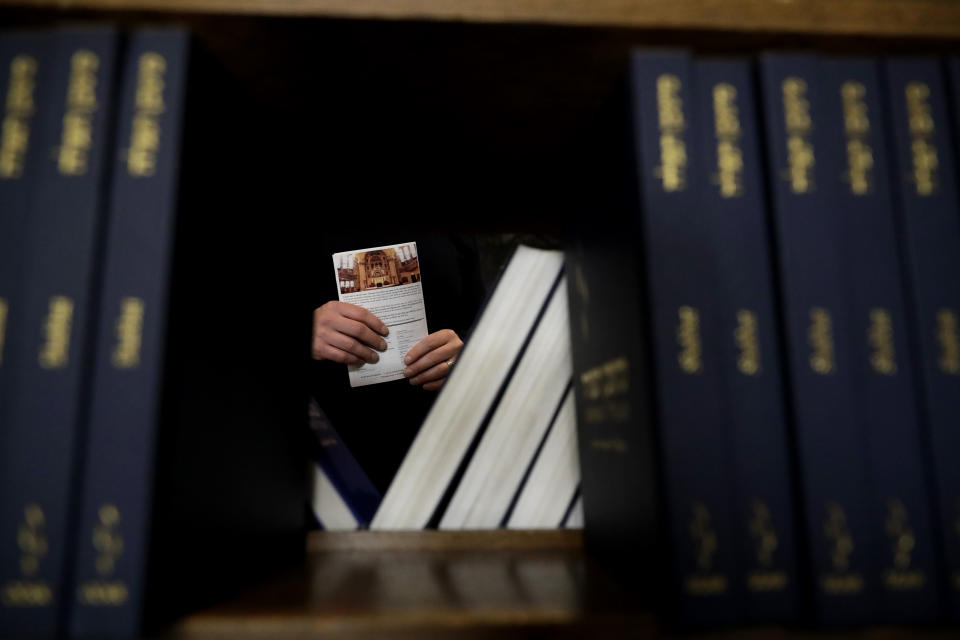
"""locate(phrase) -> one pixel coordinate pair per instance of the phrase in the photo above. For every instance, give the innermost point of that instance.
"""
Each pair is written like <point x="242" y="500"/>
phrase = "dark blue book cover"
<point x="42" y="423"/>
<point x="343" y="470"/>
<point x="929" y="220"/>
<point x="803" y="174"/>
<point x="733" y="196"/>
<point x="24" y="63"/>
<point x="680" y="267"/>
<point x="884" y="383"/>
<point x="116" y="505"/>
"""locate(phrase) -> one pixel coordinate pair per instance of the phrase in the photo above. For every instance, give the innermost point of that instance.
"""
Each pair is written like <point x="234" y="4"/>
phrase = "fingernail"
<point x="384" y="330"/>
<point x="376" y="358"/>
<point x="406" y="360"/>
<point x="383" y="345"/>
<point x="413" y="380"/>
<point x="407" y="372"/>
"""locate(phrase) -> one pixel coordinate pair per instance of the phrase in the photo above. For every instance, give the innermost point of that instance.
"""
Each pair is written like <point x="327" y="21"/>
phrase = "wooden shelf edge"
<point x="498" y="540"/>
<point x="885" y="18"/>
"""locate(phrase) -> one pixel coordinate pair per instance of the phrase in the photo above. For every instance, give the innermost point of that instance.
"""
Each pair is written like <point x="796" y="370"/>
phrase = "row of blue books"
<point x="781" y="401"/>
<point x="147" y="442"/>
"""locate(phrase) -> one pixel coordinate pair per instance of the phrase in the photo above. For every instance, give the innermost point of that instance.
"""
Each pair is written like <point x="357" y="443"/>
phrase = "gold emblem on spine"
<point x="33" y="546"/>
<point x="840" y="579"/>
<point x="883" y="354"/>
<point x="108" y="544"/>
<point x="948" y="337"/>
<point x="820" y="339"/>
<point x="726" y="123"/>
<point x="705" y="581"/>
<point x="4" y="312"/>
<point x="764" y="577"/>
<point x="748" y="342"/>
<point x="856" y="126"/>
<point x="900" y="576"/>
<point x="603" y="394"/>
<point x="129" y="332"/>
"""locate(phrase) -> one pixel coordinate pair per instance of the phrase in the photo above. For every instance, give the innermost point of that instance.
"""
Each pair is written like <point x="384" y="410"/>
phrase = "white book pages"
<point x="518" y="425"/>
<point x="554" y="478"/>
<point x="575" y="519"/>
<point x="329" y="508"/>
<point x="466" y="397"/>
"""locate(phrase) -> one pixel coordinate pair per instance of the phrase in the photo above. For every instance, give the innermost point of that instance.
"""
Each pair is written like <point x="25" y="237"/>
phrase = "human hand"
<point x="429" y="361"/>
<point x="342" y="332"/>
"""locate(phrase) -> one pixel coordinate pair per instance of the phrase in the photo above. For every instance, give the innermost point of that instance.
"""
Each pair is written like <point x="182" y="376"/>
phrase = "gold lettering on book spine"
<point x="129" y="331"/>
<point x="727" y="130"/>
<point x="820" y="339"/>
<point x="690" y="354"/>
<point x="799" y="126"/>
<point x="900" y="575"/>
<point x="604" y="396"/>
<point x="856" y="126"/>
<point x="764" y="575"/>
<point x="747" y="339"/>
<point x="20" y="107"/>
<point x="883" y="354"/>
<point x="55" y="352"/>
<point x="149" y="105"/>
<point x="32" y="543"/>
<point x="704" y="581"/>
<point x="839" y="580"/>
<point x="672" y="171"/>
<point x="923" y="152"/>
<point x="77" y="136"/>
<point x="108" y="543"/>
<point x="948" y="337"/>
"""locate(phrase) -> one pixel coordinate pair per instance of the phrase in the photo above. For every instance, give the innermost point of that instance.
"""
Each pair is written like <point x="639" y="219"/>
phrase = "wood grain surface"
<point x="914" y="18"/>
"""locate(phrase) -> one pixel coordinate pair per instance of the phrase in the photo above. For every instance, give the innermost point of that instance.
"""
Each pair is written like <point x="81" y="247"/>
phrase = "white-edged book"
<point x="552" y="484"/>
<point x="518" y="425"/>
<point x="467" y="396"/>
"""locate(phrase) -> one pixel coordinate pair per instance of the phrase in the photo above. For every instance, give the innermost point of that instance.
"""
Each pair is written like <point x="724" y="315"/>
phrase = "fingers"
<point x="428" y="344"/>
<point x="360" y="331"/>
<point x="360" y="314"/>
<point x="433" y="374"/>
<point x="346" y="343"/>
<point x="328" y="352"/>
<point x="433" y="386"/>
<point x="440" y="354"/>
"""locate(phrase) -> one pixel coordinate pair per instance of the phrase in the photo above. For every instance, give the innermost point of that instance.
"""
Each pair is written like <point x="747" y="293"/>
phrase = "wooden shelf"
<point x="900" y="18"/>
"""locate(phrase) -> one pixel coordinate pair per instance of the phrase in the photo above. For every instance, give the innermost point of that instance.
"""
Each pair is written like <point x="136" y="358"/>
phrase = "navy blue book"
<point x="804" y="181"/>
<point x="929" y="218"/>
<point x="884" y="383"/>
<point x="680" y="267"/>
<point x="42" y="424"/>
<point x="24" y="62"/>
<point x="352" y="497"/>
<point x="732" y="195"/>
<point x="191" y="458"/>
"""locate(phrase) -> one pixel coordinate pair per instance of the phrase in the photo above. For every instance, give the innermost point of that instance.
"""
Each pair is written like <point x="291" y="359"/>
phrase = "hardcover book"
<point x="804" y="176"/>
<point x="732" y="195"/>
<point x="904" y="566"/>
<point x="681" y="268"/>
<point x="929" y="222"/>
<point x="43" y="414"/>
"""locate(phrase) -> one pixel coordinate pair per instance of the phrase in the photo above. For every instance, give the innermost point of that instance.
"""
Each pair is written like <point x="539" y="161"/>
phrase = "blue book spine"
<point x="927" y="211"/>
<point x="829" y="440"/>
<point x="24" y="62"/>
<point x="116" y="505"/>
<point x="680" y="267"/>
<point x="42" y="419"/>
<point x="345" y="473"/>
<point x="733" y="196"/>
<point x="884" y="384"/>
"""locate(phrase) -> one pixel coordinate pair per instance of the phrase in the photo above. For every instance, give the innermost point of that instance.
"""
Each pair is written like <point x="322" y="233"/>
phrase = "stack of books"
<point x="767" y="351"/>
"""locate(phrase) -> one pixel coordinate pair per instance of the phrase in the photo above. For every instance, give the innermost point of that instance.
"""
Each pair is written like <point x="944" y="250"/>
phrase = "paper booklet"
<point x="386" y="282"/>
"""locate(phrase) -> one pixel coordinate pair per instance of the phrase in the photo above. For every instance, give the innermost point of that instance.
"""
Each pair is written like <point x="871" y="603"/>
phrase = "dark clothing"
<point x="378" y="422"/>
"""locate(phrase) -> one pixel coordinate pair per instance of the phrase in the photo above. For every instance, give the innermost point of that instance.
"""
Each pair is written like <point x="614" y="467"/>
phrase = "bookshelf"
<point x="489" y="89"/>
